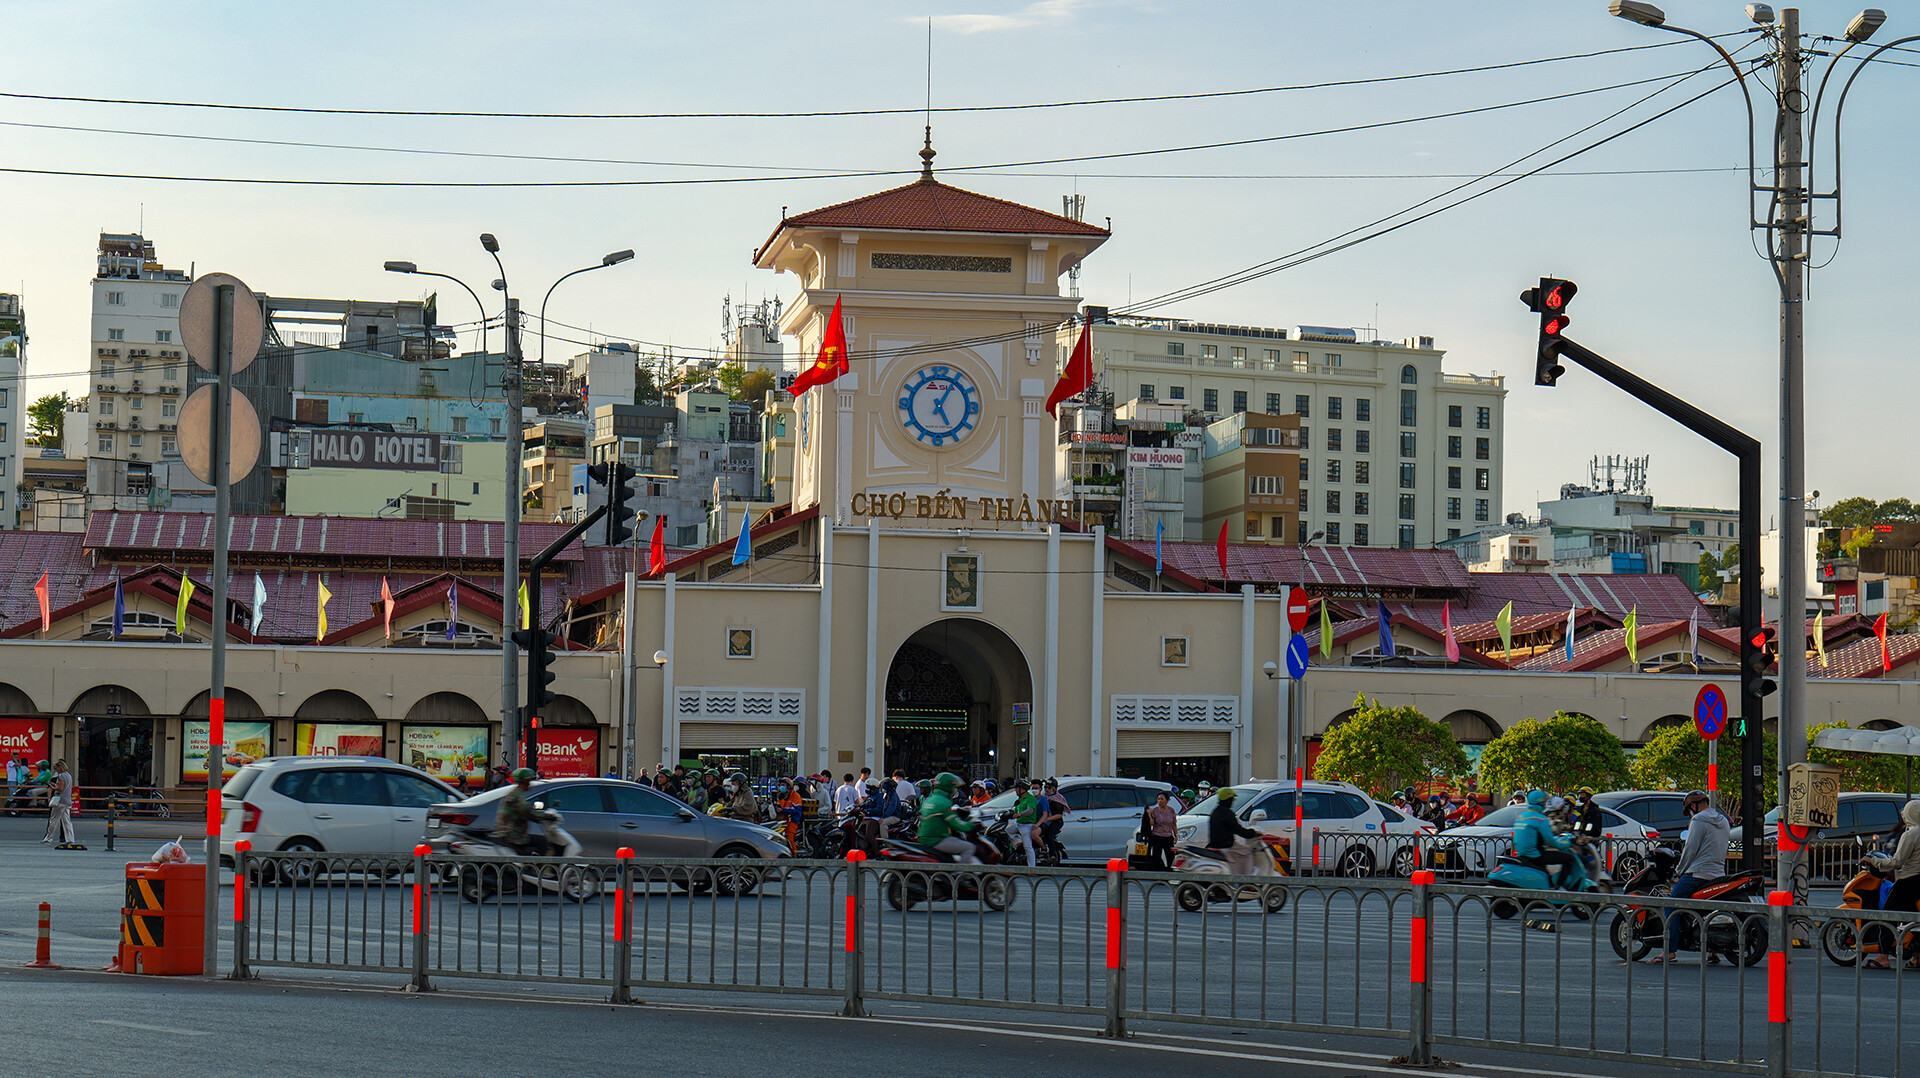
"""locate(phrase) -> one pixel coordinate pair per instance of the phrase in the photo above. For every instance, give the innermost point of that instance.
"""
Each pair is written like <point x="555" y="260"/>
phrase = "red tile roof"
<point x="1332" y="567"/>
<point x="1610" y="645"/>
<point x="305" y="536"/>
<point x="932" y="206"/>
<point x="1861" y="658"/>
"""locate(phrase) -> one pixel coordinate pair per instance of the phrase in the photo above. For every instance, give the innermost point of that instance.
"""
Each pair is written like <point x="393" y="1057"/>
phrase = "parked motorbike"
<point x="1270" y="859"/>
<point x="576" y="883"/>
<point x="1002" y="832"/>
<point x="1847" y="941"/>
<point x="1637" y="930"/>
<point x="915" y="881"/>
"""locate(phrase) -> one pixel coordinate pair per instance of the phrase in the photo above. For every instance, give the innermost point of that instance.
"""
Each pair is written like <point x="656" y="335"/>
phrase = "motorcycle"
<point x="909" y="885"/>
<point x="1009" y="837"/>
<point x="576" y="883"/>
<point x="1270" y="859"/>
<point x="1637" y="930"/>
<point x="1511" y="871"/>
<point x="1847" y="941"/>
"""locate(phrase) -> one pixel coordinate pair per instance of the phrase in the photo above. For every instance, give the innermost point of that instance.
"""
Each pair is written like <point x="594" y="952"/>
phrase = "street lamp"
<point x="408" y="267"/>
<point x="613" y="259"/>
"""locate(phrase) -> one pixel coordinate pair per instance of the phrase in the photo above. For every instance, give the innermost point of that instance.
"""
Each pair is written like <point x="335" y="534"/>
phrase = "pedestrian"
<point x="60" y="807"/>
<point x="1703" y="859"/>
<point x="846" y="797"/>
<point x="1160" y="824"/>
<point x="866" y="780"/>
<point x="460" y="783"/>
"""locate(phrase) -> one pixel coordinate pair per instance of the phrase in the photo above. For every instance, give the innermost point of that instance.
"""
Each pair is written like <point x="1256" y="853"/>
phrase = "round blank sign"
<point x="197" y="307"/>
<point x="196" y="435"/>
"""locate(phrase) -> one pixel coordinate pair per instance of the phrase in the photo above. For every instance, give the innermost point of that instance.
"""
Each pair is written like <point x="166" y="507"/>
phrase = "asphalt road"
<point x="1332" y="958"/>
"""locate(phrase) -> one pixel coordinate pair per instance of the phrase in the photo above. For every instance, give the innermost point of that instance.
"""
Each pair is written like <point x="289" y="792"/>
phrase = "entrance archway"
<point x="953" y="690"/>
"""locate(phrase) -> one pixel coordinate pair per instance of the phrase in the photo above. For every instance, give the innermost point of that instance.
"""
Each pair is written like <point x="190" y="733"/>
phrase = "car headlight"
<point x="1185" y="833"/>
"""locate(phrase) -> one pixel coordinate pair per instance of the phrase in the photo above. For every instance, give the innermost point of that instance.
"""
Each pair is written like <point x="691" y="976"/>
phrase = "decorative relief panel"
<point x="944" y="263"/>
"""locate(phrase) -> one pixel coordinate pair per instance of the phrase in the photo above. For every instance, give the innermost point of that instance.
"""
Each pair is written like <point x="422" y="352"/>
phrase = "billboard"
<point x="246" y="742"/>
<point x="446" y="752"/>
<point x="376" y="449"/>
<point x="24" y="737"/>
<point x="1154" y="457"/>
<point x="339" y="739"/>
<point x="568" y="752"/>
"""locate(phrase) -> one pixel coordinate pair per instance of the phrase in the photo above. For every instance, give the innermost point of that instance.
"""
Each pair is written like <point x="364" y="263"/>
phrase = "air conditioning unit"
<point x="134" y="455"/>
<point x="169" y="426"/>
<point x="136" y="385"/>
<point x="134" y="423"/>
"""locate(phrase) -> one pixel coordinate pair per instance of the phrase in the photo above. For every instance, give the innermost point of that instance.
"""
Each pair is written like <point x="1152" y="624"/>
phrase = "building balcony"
<point x="1491" y="381"/>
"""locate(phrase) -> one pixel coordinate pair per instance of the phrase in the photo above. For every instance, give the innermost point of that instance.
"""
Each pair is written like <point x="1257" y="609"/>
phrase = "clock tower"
<point x="950" y="302"/>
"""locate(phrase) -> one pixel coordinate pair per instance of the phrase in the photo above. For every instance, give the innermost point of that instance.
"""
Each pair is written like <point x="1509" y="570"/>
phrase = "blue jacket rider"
<point x="1537" y="844"/>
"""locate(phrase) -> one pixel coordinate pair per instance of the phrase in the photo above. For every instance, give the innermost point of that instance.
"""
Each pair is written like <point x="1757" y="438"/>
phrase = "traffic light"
<point x="1550" y="302"/>
<point x="1765" y="651"/>
<point x="538" y="644"/>
<point x="616" y="477"/>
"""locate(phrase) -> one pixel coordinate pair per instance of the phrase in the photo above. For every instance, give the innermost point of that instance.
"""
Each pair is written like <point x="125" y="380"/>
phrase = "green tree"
<point x="46" y="419"/>
<point x="1380" y="748"/>
<point x="729" y="376"/>
<point x="1851" y="513"/>
<point x="1560" y="754"/>
<point x="1864" y="770"/>
<point x="1711" y="565"/>
<point x="1676" y="759"/>
<point x="646" y="388"/>
<point x="754" y="386"/>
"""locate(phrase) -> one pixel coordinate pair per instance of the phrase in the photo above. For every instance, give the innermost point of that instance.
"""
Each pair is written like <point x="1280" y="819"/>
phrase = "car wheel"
<point x="1406" y="860"/>
<point x="304" y="870"/>
<point x="1189" y="897"/>
<point x="1355" y="861"/>
<point x="1841" y="941"/>
<point x="736" y="882"/>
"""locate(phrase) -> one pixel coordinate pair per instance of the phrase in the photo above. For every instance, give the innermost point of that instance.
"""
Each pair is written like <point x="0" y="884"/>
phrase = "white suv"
<point x="332" y="804"/>
<point x="1357" y="835"/>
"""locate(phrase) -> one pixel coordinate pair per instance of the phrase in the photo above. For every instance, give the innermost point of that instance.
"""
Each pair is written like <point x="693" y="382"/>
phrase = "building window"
<point x="1453" y="509"/>
<point x="1360" y="508"/>
<point x="1482" y="479"/>
<point x="1453" y="446"/>
<point x="1253" y="526"/>
<point x="1409" y="376"/>
<point x="1694" y="527"/>
<point x="105" y="444"/>
<point x="1239" y="357"/>
<point x="1333" y="407"/>
<point x="1273" y="485"/>
<point x="1273" y="357"/>
<point x="163" y="336"/>
<point x="1408" y="445"/>
<point x="116" y="334"/>
<point x="1303" y="469"/>
<point x="1333" y="359"/>
<point x="1406" y="507"/>
<point x="1209" y="351"/>
<point x="1176" y="393"/>
<point x="170" y="299"/>
<point x="460" y="425"/>
<point x="116" y="299"/>
<point x="1453" y="415"/>
<point x="1239" y="401"/>
<point x="106" y="407"/>
<point x="1453" y="478"/>
<point x="1483" y="449"/>
<point x="1146" y="394"/>
<point x="1406" y="477"/>
<point x="136" y="365"/>
<point x="1302" y="405"/>
<point x="1480" y="510"/>
<point x="1409" y="407"/>
<point x="1333" y="471"/>
<point x="167" y="446"/>
<point x="1483" y="418"/>
<point x="1362" y="471"/>
<point x="1333" y="533"/>
<point x="1406" y="537"/>
<point x="1333" y="501"/>
<point x="1210" y="400"/>
<point x="170" y="372"/>
<point x="1359" y="535"/>
<point x="1273" y="404"/>
<point x="1453" y="533"/>
<point x="493" y="426"/>
<point x="167" y="409"/>
<point x="1362" y="442"/>
<point x="1333" y="439"/>
<point x="1302" y="361"/>
<point x="134" y="440"/>
<point x="1302" y="532"/>
<point x="1176" y="348"/>
<point x="1363" y="409"/>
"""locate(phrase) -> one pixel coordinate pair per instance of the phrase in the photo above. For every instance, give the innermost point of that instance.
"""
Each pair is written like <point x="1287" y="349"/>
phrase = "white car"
<point x="1476" y="847"/>
<point x="1356" y="835"/>
<point x="1102" y="814"/>
<point x="331" y="804"/>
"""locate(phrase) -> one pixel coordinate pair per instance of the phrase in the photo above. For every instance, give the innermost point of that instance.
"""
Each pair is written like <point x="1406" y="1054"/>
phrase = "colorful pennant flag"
<point x="1159" y="545"/>
<point x="1571" y="611"/>
<point x="46" y="609"/>
<point x="1386" y="630"/>
<point x="321" y="632"/>
<point x="453" y="607"/>
<point x="1326" y="631"/>
<point x="1820" y="637"/>
<point x="119" y="607"/>
<point x="386" y="607"/>
<point x="743" y="550"/>
<point x="832" y="362"/>
<point x="1504" y="622"/>
<point x="1446" y="623"/>
<point x="1693" y="635"/>
<point x="1078" y="373"/>
<point x="1632" y="626"/>
<point x="259" y="604"/>
<point x="1220" y="549"/>
<point x="1880" y="630"/>
<point x="657" y="550"/>
<point x="180" y="608"/>
<point x="526" y="609"/>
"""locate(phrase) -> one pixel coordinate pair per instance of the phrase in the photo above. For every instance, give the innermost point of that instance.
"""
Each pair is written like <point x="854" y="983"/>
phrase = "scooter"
<point x="1009" y="837"/>
<point x="916" y="881"/>
<point x="576" y="883"/>
<point x="1270" y="858"/>
<point x="1511" y="871"/>
<point x="1637" y="930"/>
<point x="1847" y="941"/>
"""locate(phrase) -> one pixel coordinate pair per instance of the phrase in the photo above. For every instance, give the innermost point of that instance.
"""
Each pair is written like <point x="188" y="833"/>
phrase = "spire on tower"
<point x="926" y="158"/>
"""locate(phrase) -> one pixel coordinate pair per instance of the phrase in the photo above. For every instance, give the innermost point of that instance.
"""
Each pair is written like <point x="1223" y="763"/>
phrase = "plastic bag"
<point x="170" y="853"/>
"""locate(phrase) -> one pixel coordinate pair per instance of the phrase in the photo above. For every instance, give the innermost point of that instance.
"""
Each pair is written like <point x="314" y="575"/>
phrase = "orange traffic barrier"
<point x="163" y="924"/>
<point x="43" y="947"/>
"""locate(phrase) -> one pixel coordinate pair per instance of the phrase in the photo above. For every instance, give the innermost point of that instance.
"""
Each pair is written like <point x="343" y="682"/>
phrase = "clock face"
<point x="806" y="425"/>
<point x="939" y="405"/>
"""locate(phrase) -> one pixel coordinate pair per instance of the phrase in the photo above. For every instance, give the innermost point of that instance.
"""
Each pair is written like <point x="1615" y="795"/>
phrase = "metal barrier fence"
<point x="1449" y="855"/>
<point x="1437" y="963"/>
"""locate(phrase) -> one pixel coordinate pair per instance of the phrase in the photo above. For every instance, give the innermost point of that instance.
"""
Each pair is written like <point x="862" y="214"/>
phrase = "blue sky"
<point x="1669" y="280"/>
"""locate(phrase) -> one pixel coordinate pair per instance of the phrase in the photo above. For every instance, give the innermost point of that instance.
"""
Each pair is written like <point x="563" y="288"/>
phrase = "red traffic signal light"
<point x="1760" y="654"/>
<point x="1550" y="301"/>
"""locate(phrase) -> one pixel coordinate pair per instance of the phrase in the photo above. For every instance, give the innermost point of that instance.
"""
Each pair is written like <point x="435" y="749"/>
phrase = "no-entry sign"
<point x="1297" y="609"/>
<point x="1710" y="712"/>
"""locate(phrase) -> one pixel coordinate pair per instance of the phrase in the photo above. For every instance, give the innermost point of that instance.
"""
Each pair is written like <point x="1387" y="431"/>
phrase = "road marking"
<point x="152" y="1029"/>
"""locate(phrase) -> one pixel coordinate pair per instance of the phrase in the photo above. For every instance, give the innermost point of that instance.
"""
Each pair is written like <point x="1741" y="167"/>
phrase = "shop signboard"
<point x="24" y="737"/>
<point x="246" y="742"/>
<point x="1155" y="457"/>
<point x="446" y="752"/>
<point x="339" y="739"/>
<point x="569" y="752"/>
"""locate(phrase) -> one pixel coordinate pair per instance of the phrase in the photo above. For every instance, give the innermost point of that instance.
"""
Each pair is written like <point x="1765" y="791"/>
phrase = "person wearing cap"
<point x="1703" y="859"/>
<point x="1026" y="819"/>
<point x="1224" y="829"/>
<point x="1587" y="822"/>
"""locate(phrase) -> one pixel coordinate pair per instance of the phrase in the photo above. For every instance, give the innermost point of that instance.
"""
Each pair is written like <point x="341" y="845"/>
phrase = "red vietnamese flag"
<point x="1079" y="373"/>
<point x="1220" y="548"/>
<point x="833" y="356"/>
<point x="657" y="550"/>
<point x="46" y="611"/>
<point x="1880" y="630"/>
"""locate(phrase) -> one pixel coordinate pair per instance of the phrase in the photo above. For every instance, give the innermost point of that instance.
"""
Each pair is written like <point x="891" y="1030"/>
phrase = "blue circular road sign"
<point x="1710" y="712"/>
<point x="1297" y="657"/>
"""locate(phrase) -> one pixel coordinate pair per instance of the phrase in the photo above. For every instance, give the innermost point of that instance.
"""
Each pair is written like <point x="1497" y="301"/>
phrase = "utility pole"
<point x="1792" y="264"/>
<point x="510" y="547"/>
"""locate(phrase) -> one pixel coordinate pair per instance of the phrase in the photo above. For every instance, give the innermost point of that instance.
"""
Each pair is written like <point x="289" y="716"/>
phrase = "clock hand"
<point x="940" y="406"/>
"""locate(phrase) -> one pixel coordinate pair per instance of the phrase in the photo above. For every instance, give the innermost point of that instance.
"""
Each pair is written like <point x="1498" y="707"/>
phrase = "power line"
<point x="823" y="113"/>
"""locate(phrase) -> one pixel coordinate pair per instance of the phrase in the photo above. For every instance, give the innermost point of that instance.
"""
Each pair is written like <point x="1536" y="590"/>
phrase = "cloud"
<point x="1039" y="13"/>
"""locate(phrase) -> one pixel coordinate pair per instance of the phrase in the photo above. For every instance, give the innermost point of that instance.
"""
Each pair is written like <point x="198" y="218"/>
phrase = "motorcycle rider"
<point x="790" y="808"/>
<point x="1538" y="846"/>
<point x="515" y="813"/>
<point x="1587" y="822"/>
<point x="941" y="828"/>
<point x="1904" y="866"/>
<point x="1223" y="828"/>
<point x="1703" y="859"/>
<point x="741" y="804"/>
<point x="886" y="805"/>
<point x="1026" y="820"/>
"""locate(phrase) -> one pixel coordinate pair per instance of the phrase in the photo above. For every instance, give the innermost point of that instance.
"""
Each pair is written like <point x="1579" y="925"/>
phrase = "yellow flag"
<point x="321" y="633"/>
<point x="525" y="617"/>
<point x="180" y="611"/>
<point x="1820" y="637"/>
<point x="1632" y="625"/>
<point x="1504" y="622"/>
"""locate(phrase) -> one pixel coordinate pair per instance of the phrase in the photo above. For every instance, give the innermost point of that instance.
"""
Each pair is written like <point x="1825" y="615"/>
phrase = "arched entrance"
<point x="959" y="698"/>
<point x="116" y="739"/>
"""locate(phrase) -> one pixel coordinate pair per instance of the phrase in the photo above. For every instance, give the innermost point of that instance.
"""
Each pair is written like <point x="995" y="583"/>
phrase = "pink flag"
<point x="386" y="606"/>
<point x="46" y="612"/>
<point x="1446" y="622"/>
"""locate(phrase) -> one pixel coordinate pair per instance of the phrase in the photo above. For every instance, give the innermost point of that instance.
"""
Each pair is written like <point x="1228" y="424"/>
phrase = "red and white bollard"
<point x="43" y="947"/>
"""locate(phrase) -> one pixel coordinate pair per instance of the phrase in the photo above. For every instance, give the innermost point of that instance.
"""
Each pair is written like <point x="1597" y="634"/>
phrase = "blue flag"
<point x="1570" y="613"/>
<point x="453" y="607"/>
<point x="119" y="608"/>
<point x="1159" y="538"/>
<point x="1386" y="632"/>
<point x="743" y="550"/>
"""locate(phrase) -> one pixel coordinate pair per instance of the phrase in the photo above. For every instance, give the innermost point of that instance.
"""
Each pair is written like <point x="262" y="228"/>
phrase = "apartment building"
<point x="1395" y="450"/>
<point x="1251" y="463"/>
<point x="13" y="404"/>
<point x="138" y="370"/>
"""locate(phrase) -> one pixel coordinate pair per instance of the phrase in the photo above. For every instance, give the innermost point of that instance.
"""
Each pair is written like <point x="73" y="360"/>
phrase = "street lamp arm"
<point x="1839" y="109"/>
<point x="613" y="259"/>
<point x="470" y="292"/>
<point x="1746" y="93"/>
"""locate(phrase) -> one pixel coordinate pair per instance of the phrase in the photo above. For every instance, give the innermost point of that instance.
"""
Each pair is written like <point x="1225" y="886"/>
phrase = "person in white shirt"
<point x="866" y="781"/>
<point x="909" y="793"/>
<point x="846" y="796"/>
<point x="13" y="774"/>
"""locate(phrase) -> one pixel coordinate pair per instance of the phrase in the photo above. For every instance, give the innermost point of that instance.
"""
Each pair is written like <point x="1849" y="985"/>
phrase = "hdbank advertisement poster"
<point x="246" y="742"/>
<point x="445" y="752"/>
<point x="23" y="737"/>
<point x="339" y="739"/>
<point x="568" y="752"/>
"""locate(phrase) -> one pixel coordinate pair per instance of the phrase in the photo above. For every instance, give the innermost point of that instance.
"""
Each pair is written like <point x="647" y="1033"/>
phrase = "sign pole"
<point x="1713" y="773"/>
<point x="217" y="685"/>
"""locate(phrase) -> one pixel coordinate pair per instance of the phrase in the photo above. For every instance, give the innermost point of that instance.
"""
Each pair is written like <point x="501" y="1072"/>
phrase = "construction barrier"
<point x="163" y="924"/>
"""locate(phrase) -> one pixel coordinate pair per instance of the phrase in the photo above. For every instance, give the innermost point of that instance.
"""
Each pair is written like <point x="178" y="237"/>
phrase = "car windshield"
<point x="1243" y="794"/>
<point x="1505" y="817"/>
<point x="1001" y="803"/>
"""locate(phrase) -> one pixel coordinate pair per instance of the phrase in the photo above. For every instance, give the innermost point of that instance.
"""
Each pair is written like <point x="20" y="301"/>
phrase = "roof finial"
<point x="926" y="158"/>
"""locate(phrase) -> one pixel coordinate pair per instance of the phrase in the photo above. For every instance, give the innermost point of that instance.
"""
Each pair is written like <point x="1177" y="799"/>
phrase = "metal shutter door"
<point x="1135" y="744"/>
<point x="705" y="736"/>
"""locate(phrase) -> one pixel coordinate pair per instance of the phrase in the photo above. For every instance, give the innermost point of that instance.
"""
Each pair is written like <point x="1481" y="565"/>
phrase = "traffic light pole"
<point x="530" y="714"/>
<point x="1747" y="451"/>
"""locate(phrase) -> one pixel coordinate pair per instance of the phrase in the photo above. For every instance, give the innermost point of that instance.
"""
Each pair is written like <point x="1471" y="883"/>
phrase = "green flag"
<point x="180" y="611"/>
<point x="1632" y="625"/>
<point x="525" y="615"/>
<point x="1326" y="631"/>
<point x="1505" y="624"/>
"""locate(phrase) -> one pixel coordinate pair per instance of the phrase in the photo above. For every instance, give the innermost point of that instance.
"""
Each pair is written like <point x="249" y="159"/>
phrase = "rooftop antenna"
<point x="926" y="151"/>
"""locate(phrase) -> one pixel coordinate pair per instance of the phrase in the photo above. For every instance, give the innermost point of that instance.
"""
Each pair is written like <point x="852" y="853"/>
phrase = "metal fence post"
<point x="422" y="892"/>
<point x="1419" y="990"/>
<point x="240" y="851"/>
<point x="1116" y="946"/>
<point x="1779" y="986"/>
<point x="856" y="886"/>
<point x="622" y="919"/>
